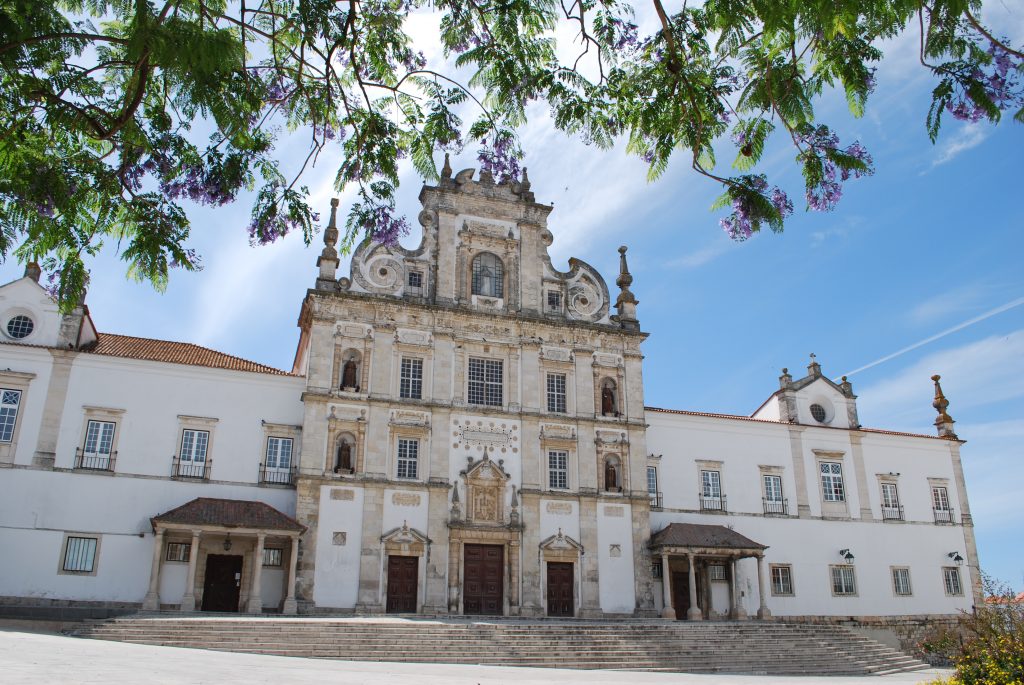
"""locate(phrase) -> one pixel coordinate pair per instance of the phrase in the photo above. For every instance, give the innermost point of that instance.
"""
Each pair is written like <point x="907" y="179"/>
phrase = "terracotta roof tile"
<point x="127" y="346"/>
<point x="702" y="535"/>
<point x="233" y="513"/>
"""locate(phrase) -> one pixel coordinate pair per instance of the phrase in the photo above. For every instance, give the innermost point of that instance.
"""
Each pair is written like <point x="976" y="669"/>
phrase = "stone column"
<point x="516" y="573"/>
<point x="255" y="604"/>
<point x="736" y="610"/>
<point x="188" y="600"/>
<point x="668" y="611"/>
<point x="454" y="552"/>
<point x="693" y="613"/>
<point x="290" y="606"/>
<point x="762" y="610"/>
<point x="152" y="600"/>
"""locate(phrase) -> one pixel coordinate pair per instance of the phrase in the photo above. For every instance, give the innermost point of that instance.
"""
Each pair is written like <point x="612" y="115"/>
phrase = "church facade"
<point x="463" y="432"/>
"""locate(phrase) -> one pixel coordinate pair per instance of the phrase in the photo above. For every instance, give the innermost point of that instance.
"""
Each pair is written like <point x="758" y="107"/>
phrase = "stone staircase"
<point x="752" y="647"/>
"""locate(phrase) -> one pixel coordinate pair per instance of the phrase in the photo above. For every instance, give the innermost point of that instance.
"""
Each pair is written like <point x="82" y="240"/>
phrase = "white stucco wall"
<point x="615" y="568"/>
<point x="337" y="566"/>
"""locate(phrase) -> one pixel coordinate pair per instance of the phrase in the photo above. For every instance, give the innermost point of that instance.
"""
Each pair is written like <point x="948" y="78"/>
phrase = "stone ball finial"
<point x="936" y="378"/>
<point x="622" y="249"/>
<point x="334" y="202"/>
<point x="785" y="370"/>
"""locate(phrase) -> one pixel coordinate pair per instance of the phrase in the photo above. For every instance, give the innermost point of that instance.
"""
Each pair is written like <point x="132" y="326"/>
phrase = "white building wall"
<point x="615" y="558"/>
<point x="337" y="565"/>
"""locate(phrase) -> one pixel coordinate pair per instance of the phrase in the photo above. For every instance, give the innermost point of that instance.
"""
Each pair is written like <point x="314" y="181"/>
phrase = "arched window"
<point x="488" y="275"/>
<point x="609" y="406"/>
<point x="345" y="454"/>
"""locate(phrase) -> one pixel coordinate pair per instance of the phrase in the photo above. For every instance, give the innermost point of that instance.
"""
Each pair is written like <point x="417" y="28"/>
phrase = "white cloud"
<point x="818" y="238"/>
<point x="981" y="373"/>
<point x="700" y="257"/>
<point x="969" y="136"/>
<point x="959" y="300"/>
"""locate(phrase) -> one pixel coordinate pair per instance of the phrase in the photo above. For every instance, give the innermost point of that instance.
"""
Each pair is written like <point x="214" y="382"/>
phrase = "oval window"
<point x="818" y="412"/>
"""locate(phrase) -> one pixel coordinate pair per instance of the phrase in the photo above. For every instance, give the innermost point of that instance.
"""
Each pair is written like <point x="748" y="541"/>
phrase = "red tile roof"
<point x="740" y="417"/>
<point x="702" y="535"/>
<point x="232" y="513"/>
<point x="130" y="347"/>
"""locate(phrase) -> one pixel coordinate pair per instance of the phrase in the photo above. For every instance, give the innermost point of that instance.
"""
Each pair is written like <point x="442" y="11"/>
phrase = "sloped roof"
<point x="232" y="513"/>
<point x="130" y="347"/>
<point x="702" y="535"/>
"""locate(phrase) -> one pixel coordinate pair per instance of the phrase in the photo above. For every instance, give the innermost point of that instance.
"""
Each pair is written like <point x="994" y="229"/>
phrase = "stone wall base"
<point x="905" y="633"/>
<point x="44" y="609"/>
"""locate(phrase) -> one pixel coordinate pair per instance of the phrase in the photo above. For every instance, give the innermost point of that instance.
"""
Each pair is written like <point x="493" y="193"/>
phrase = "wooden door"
<point x="223" y="582"/>
<point x="681" y="593"/>
<point x="403" y="582"/>
<point x="560" y="588"/>
<point x="483" y="579"/>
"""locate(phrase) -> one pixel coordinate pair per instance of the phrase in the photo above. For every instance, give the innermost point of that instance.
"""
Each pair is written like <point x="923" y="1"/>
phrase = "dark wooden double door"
<point x="681" y="592"/>
<point x="223" y="582"/>
<point x="483" y="579"/>
<point x="403" y="583"/>
<point x="561" y="586"/>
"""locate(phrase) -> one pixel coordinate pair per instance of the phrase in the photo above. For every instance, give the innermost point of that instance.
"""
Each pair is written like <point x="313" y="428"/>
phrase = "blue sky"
<point x="931" y="242"/>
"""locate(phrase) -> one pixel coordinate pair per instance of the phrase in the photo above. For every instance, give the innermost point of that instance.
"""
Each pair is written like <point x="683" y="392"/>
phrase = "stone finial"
<point x="785" y="380"/>
<point x="814" y="368"/>
<point x="33" y="271"/>
<point x="944" y="422"/>
<point x="446" y="170"/>
<point x="847" y="386"/>
<point x="456" y="510"/>
<point x="328" y="260"/>
<point x="626" y="302"/>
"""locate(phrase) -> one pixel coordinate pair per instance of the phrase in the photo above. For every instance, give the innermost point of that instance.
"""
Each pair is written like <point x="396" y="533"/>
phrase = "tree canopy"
<point x="115" y="114"/>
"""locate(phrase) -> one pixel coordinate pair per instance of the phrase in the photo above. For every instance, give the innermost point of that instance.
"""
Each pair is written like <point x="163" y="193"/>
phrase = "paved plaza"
<point x="28" y="658"/>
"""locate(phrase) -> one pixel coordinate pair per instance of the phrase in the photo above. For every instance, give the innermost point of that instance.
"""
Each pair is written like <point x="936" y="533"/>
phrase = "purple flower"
<point x="385" y="228"/>
<point x="825" y="194"/>
<point x="501" y="159"/>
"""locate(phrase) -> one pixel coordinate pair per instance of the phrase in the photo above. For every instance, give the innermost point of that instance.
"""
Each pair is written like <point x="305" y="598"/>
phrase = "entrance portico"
<point x="224" y="543"/>
<point x="686" y="551"/>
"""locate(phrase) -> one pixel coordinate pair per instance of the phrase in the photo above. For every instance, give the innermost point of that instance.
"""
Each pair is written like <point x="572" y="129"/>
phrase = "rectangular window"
<point x="80" y="554"/>
<point x="951" y="577"/>
<point x="408" y="458"/>
<point x="279" y="453"/>
<point x="485" y="382"/>
<point x="843" y="580"/>
<point x="716" y="572"/>
<point x="272" y="556"/>
<point x="415" y="279"/>
<point x="410" y="383"/>
<point x="99" y="438"/>
<point x="193" y="445"/>
<point x="890" y="498"/>
<point x="940" y="499"/>
<point x="832" y="482"/>
<point x="782" y="580"/>
<point x="711" y="484"/>
<point x="773" y="488"/>
<point x="901" y="582"/>
<point x="178" y="551"/>
<point x="9" y="401"/>
<point x="554" y="301"/>
<point x="652" y="480"/>
<point x="558" y="470"/>
<point x="556" y="392"/>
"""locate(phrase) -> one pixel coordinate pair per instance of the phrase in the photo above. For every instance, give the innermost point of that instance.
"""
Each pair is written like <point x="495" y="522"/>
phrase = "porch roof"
<point x="228" y="513"/>
<point x="702" y="536"/>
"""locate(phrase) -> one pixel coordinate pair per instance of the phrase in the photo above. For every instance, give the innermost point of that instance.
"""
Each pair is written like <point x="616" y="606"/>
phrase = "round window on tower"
<point x="818" y="412"/>
<point x="19" y="327"/>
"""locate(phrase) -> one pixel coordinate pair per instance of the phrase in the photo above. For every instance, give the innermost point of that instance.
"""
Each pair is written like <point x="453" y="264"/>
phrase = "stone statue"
<point x="611" y="480"/>
<point x="344" y="462"/>
<point x="607" y="401"/>
<point x="348" y="375"/>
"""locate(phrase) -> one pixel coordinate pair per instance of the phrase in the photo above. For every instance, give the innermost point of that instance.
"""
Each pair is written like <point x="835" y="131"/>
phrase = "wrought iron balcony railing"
<point x="196" y="470"/>
<point x="775" y="507"/>
<point x="277" y="476"/>
<point x="94" y="461"/>
<point x="712" y="503"/>
<point x="944" y="516"/>
<point x="655" y="499"/>
<point x="892" y="513"/>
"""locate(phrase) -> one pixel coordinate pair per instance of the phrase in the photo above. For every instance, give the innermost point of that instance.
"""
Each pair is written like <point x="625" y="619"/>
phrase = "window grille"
<point x="711" y="484"/>
<point x="20" y="327"/>
<point x="80" y="555"/>
<point x="9" y="401"/>
<point x="410" y="383"/>
<point x="843" y="581"/>
<point x="556" y="392"/>
<point x="558" y="470"/>
<point x="415" y="279"/>
<point x="408" y="458"/>
<point x="901" y="581"/>
<point x="554" y="301"/>
<point x="832" y="482"/>
<point x="279" y="453"/>
<point x="652" y="480"/>
<point x="488" y="275"/>
<point x="773" y="488"/>
<point x="782" y="580"/>
<point x="193" y="445"/>
<point x="485" y="382"/>
<point x="716" y="572"/>
<point x="178" y="551"/>
<point x="272" y="556"/>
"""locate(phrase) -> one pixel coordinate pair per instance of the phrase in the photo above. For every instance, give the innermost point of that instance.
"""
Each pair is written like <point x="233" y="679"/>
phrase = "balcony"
<point x="775" y="507"/>
<point x="655" y="499"/>
<point x="944" y="516"/>
<point x="892" y="513"/>
<point x="712" y="504"/>
<point x="94" y="461"/>
<point x="277" y="476"/>
<point x="191" y="470"/>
